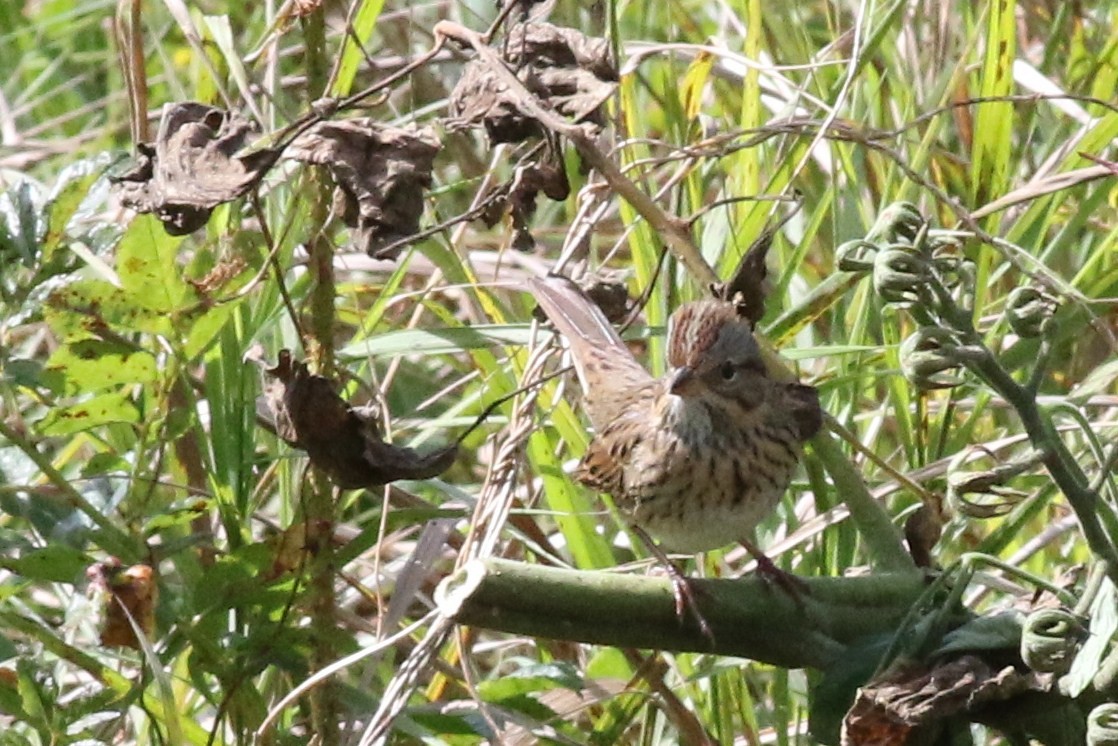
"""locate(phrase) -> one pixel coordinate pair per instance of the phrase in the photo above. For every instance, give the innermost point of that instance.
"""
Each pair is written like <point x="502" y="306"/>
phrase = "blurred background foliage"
<point x="129" y="411"/>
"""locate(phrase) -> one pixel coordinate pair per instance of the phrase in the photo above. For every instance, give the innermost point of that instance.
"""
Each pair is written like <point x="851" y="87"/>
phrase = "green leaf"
<point x="99" y="410"/>
<point x="222" y="32"/>
<point x="530" y="679"/>
<point x="22" y="372"/>
<point x="70" y="189"/>
<point x="353" y="52"/>
<point x="834" y="694"/>
<point x="27" y="226"/>
<point x="203" y="331"/>
<point x="457" y="338"/>
<point x="93" y="364"/>
<point x="145" y="262"/>
<point x="996" y="632"/>
<point x="57" y="563"/>
<point x="993" y="141"/>
<point x="105" y="463"/>
<point x="84" y="308"/>
<point x="441" y="341"/>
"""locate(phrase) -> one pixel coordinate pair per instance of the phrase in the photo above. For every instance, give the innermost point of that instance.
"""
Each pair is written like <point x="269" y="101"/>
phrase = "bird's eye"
<point x="728" y="371"/>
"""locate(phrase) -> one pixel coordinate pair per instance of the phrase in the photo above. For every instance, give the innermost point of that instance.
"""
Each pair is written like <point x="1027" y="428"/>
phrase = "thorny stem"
<point x="319" y="501"/>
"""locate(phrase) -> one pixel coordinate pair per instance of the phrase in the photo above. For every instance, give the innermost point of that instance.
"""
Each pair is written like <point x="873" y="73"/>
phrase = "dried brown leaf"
<point x="381" y="173"/>
<point x="129" y="594"/>
<point x="910" y="706"/>
<point x="569" y="72"/>
<point x="341" y="440"/>
<point x="195" y="164"/>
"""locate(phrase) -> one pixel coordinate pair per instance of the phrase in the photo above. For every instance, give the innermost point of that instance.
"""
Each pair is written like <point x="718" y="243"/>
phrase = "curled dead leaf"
<point x="568" y="71"/>
<point x="911" y="706"/>
<point x="343" y="441"/>
<point x="381" y="174"/>
<point x="129" y="595"/>
<point x="529" y="181"/>
<point x="197" y="162"/>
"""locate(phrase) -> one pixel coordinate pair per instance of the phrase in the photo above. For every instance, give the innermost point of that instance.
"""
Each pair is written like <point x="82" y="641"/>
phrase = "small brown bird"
<point x="698" y="457"/>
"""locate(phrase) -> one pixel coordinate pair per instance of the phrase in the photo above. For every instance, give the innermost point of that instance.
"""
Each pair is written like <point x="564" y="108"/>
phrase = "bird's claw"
<point x="772" y="575"/>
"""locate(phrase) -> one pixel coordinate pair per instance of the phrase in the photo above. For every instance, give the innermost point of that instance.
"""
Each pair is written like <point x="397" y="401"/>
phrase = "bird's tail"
<point x="579" y="319"/>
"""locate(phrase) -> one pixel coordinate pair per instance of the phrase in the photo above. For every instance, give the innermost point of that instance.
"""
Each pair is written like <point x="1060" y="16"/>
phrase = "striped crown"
<point x="695" y="328"/>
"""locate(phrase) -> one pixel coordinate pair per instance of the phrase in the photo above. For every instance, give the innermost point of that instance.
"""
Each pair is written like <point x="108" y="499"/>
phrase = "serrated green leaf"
<point x="84" y="308"/>
<point x="72" y="187"/>
<point x="203" y="331"/>
<point x="146" y="264"/>
<point x="94" y="364"/>
<point x="99" y="410"/>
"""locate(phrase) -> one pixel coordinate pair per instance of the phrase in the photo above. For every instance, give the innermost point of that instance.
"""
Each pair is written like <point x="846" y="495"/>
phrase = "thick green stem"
<point x="882" y="538"/>
<point x="748" y="617"/>
<point x="1057" y="459"/>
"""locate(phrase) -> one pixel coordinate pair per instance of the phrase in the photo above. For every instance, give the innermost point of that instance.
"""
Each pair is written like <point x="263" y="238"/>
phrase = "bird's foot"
<point x="684" y="590"/>
<point x="686" y="600"/>
<point x="773" y="575"/>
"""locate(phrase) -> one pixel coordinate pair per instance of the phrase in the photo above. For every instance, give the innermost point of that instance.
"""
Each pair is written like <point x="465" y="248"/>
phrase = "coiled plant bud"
<point x="989" y="487"/>
<point x="1050" y="639"/>
<point x="899" y="274"/>
<point x="930" y="353"/>
<point x="856" y="256"/>
<point x="900" y="222"/>
<point x="1102" y="725"/>
<point x="1029" y="311"/>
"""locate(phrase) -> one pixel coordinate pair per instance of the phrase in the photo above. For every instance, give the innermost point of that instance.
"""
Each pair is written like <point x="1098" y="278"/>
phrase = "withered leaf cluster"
<point x="381" y="174"/>
<point x="343" y="441"/>
<point x="913" y="707"/>
<point x="567" y="71"/>
<point x="202" y="157"/>
<point x="195" y="164"/>
<point x="562" y="70"/>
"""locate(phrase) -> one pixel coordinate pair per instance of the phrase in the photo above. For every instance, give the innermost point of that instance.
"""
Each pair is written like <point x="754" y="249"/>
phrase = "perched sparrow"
<point x="698" y="457"/>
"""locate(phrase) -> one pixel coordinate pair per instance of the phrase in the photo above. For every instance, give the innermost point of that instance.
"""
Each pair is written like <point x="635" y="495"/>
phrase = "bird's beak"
<point x="681" y="381"/>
